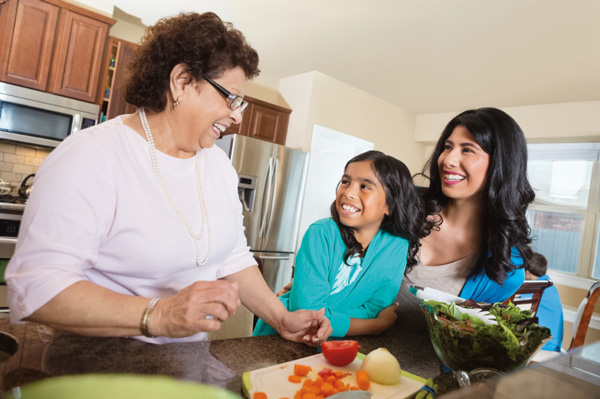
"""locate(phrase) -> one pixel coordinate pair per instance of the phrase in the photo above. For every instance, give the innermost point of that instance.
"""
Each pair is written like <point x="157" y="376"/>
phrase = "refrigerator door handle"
<point x="266" y="200"/>
<point x="273" y="257"/>
<point x="274" y="177"/>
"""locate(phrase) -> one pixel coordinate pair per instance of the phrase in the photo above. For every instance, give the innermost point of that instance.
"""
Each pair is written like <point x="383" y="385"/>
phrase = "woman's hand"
<point x="200" y="307"/>
<point x="308" y="326"/>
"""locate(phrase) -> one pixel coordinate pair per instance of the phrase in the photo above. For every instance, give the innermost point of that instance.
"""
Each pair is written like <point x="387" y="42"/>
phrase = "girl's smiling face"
<point x="463" y="165"/>
<point x="360" y="199"/>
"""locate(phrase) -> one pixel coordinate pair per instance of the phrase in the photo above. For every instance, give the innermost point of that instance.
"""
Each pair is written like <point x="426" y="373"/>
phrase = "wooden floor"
<point x="32" y="339"/>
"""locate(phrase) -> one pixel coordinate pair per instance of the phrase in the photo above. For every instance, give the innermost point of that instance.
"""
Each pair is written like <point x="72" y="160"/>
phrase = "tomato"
<point x="340" y="353"/>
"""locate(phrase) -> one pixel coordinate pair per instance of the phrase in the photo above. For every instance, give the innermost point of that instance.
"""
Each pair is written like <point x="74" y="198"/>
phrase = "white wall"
<point x="567" y="122"/>
<point x="316" y="98"/>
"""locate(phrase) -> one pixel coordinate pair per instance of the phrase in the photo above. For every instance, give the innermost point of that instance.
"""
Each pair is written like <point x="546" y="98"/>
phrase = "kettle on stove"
<point x="25" y="188"/>
<point x="5" y="187"/>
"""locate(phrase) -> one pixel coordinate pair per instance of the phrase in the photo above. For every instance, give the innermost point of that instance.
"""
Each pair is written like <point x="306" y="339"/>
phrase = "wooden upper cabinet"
<point x="264" y="121"/>
<point x="53" y="46"/>
<point x="78" y="56"/>
<point x="28" y="33"/>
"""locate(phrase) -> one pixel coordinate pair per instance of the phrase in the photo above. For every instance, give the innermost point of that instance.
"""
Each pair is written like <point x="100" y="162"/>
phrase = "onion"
<point x="382" y="367"/>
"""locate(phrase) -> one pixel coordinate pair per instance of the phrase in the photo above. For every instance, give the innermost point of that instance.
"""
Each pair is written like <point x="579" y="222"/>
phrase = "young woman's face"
<point x="205" y="111"/>
<point x="360" y="199"/>
<point x="463" y="165"/>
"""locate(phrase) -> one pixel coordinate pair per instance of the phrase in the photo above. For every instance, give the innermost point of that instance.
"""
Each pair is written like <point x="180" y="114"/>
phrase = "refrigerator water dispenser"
<point x="247" y="191"/>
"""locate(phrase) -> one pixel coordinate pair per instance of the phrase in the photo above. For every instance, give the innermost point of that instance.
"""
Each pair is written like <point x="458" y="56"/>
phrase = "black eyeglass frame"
<point x="232" y="98"/>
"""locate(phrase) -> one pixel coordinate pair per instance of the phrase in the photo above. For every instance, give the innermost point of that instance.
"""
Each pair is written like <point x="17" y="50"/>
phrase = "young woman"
<point x="477" y="197"/>
<point x="352" y="263"/>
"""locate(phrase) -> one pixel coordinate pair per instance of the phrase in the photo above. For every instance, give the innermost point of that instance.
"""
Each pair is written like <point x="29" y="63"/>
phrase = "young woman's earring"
<point x="175" y="104"/>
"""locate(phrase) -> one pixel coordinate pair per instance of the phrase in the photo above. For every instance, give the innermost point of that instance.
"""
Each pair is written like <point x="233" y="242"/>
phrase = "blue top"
<point x="481" y="288"/>
<point x="359" y="290"/>
<point x="549" y="314"/>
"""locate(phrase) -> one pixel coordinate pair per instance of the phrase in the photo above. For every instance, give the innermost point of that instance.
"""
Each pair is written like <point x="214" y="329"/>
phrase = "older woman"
<point x="477" y="197"/>
<point x="134" y="227"/>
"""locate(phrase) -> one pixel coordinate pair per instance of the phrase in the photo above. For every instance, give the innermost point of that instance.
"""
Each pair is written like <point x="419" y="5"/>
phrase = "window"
<point x="565" y="217"/>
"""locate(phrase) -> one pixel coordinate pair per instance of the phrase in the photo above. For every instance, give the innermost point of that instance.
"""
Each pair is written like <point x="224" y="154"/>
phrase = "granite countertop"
<point x="44" y="353"/>
<point x="219" y="362"/>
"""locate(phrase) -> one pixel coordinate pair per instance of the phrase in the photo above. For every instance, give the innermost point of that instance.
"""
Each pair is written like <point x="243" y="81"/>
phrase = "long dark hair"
<point x="506" y="193"/>
<point x="406" y="214"/>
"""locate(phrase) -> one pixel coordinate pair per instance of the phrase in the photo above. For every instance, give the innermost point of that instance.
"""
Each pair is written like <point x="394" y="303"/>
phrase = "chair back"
<point x="534" y="287"/>
<point x="584" y="315"/>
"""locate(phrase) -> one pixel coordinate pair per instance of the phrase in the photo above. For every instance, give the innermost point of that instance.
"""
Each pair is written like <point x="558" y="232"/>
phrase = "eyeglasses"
<point x="235" y="102"/>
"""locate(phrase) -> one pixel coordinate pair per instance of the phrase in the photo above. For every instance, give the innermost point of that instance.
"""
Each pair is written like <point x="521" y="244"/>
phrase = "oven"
<point x="11" y="212"/>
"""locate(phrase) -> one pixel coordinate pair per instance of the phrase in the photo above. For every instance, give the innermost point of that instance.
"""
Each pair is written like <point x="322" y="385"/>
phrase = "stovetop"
<point x="12" y="204"/>
<point x="12" y="199"/>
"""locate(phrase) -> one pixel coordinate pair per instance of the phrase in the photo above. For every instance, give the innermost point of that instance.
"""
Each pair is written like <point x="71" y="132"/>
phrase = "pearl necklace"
<point x="205" y="221"/>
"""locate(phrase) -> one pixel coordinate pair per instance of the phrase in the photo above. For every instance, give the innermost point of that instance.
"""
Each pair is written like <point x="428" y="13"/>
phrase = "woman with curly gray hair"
<point x="135" y="227"/>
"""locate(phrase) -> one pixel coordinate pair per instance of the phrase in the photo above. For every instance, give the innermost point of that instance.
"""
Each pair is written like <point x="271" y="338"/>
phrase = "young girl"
<point x="352" y="263"/>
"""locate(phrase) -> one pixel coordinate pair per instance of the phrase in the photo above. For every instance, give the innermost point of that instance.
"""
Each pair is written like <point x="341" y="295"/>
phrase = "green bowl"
<point x="117" y="386"/>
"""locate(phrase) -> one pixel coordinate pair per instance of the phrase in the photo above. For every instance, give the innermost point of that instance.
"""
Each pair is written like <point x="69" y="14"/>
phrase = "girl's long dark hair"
<point x="506" y="193"/>
<point x="406" y="214"/>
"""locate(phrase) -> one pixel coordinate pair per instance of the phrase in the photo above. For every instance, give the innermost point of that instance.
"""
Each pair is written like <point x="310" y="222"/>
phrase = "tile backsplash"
<point x="16" y="162"/>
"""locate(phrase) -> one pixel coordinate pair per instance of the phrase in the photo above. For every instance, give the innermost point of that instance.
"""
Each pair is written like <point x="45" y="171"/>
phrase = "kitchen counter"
<point x="219" y="362"/>
<point x="43" y="353"/>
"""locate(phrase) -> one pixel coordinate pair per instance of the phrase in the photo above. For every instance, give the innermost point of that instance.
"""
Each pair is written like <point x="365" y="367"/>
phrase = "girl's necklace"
<point x="205" y="221"/>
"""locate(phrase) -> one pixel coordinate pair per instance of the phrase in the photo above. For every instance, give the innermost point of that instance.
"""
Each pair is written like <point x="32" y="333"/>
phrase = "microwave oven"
<point x="41" y="119"/>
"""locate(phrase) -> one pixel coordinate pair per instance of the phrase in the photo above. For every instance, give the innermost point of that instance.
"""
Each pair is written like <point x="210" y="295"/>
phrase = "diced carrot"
<point x="326" y="388"/>
<point x="298" y="395"/>
<point x="307" y="383"/>
<point x="362" y="379"/>
<point x="314" y="389"/>
<point x="301" y="370"/>
<point x="294" y="378"/>
<point x="354" y="388"/>
<point x="339" y="385"/>
<point x="334" y="391"/>
<point x="318" y="381"/>
<point x="259" y="395"/>
<point x="331" y="379"/>
<point x="338" y="374"/>
<point x="309" y="395"/>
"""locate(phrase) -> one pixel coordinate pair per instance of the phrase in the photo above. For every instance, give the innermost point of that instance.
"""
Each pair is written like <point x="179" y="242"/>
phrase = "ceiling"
<point x="426" y="56"/>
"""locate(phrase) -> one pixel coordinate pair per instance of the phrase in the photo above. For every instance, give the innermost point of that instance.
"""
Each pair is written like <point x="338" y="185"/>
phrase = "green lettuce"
<point x="465" y="342"/>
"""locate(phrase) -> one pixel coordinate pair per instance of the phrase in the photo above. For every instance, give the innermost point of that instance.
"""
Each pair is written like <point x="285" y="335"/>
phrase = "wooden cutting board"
<point x="273" y="380"/>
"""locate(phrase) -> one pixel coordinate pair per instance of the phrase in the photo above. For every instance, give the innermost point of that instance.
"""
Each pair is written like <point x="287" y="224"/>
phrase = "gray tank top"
<point x="449" y="278"/>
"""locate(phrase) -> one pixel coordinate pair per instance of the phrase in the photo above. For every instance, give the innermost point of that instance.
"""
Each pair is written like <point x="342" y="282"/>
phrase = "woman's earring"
<point x="175" y="104"/>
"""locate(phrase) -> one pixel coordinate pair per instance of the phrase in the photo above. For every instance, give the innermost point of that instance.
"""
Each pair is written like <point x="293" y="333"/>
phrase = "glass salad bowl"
<point x="475" y="350"/>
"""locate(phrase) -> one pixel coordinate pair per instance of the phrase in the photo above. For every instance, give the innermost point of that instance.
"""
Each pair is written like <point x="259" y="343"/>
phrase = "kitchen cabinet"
<point x="264" y="121"/>
<point x="119" y="54"/>
<point x="27" y="29"/>
<point x="52" y="46"/>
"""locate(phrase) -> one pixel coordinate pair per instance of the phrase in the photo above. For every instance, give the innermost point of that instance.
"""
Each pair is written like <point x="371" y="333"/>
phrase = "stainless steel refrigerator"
<point x="271" y="186"/>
